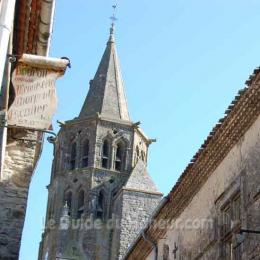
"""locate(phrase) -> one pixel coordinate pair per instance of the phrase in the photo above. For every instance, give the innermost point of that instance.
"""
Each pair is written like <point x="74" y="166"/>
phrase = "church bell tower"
<point x="100" y="194"/>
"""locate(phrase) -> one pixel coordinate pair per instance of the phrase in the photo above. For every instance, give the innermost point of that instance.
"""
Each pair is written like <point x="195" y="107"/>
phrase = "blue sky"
<point x="182" y="62"/>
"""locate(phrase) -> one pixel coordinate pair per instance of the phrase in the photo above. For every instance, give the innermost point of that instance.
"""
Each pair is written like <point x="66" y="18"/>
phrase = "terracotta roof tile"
<point x="240" y="115"/>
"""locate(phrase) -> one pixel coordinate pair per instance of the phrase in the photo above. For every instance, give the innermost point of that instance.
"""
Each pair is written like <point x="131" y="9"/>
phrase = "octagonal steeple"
<point x="106" y="95"/>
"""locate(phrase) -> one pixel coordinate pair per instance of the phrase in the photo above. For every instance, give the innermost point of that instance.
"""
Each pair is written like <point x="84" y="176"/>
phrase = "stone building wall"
<point x="20" y="149"/>
<point x="13" y="201"/>
<point x="197" y="232"/>
<point x="17" y="171"/>
<point x="136" y="209"/>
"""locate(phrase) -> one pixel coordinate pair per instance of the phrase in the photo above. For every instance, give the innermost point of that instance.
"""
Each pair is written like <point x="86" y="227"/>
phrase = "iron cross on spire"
<point x="113" y="17"/>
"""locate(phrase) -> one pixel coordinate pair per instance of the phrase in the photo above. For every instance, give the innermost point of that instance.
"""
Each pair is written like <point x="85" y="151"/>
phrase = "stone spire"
<point x="106" y="94"/>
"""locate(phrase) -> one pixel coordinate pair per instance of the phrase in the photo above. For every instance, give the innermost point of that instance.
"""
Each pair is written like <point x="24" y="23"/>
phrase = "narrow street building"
<point x="25" y="27"/>
<point x="213" y="211"/>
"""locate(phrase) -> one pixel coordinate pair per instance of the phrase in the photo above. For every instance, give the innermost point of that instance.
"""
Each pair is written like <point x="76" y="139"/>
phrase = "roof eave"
<point x="241" y="107"/>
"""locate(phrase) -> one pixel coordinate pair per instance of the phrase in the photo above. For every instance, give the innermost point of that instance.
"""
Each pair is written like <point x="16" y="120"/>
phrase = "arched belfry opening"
<point x="105" y="154"/>
<point x="85" y="154"/>
<point x="68" y="201"/>
<point x="143" y="156"/>
<point x="73" y="155"/>
<point x="137" y="154"/>
<point x="119" y="156"/>
<point x="81" y="200"/>
<point x="101" y="205"/>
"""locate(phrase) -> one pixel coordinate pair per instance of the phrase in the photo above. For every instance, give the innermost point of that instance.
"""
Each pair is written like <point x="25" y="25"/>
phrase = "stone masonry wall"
<point x="91" y="179"/>
<point x="12" y="214"/>
<point x="20" y="158"/>
<point x="137" y="207"/>
<point x="201" y="239"/>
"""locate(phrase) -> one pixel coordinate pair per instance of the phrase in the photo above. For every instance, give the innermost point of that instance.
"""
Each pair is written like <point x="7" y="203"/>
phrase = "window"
<point x="228" y="250"/>
<point x="119" y="157"/>
<point x="105" y="154"/>
<point x="100" y="206"/>
<point x="73" y="156"/>
<point x="226" y="216"/>
<point x="231" y="218"/>
<point x="143" y="156"/>
<point x="236" y="208"/>
<point x="51" y="208"/>
<point x="46" y="257"/>
<point x="81" y="198"/>
<point x="175" y="250"/>
<point x="137" y="152"/>
<point x="237" y="252"/>
<point x="166" y="252"/>
<point x="68" y="200"/>
<point x="85" y="152"/>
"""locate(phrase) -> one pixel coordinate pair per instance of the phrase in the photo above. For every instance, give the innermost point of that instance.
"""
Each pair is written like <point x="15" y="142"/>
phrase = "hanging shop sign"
<point x="35" y="94"/>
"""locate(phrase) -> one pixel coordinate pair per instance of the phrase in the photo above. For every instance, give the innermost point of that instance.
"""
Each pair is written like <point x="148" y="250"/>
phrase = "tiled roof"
<point x="239" y="116"/>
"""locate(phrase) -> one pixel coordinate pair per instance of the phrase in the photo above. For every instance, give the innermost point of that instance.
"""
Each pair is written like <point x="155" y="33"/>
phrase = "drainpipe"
<point x="7" y="9"/>
<point x="154" y="244"/>
<point x="155" y="212"/>
<point x="6" y="25"/>
<point x="163" y="201"/>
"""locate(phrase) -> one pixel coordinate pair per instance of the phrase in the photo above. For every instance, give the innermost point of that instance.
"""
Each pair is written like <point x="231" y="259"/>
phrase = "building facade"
<point x="100" y="194"/>
<point x="25" y="27"/>
<point x="213" y="211"/>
